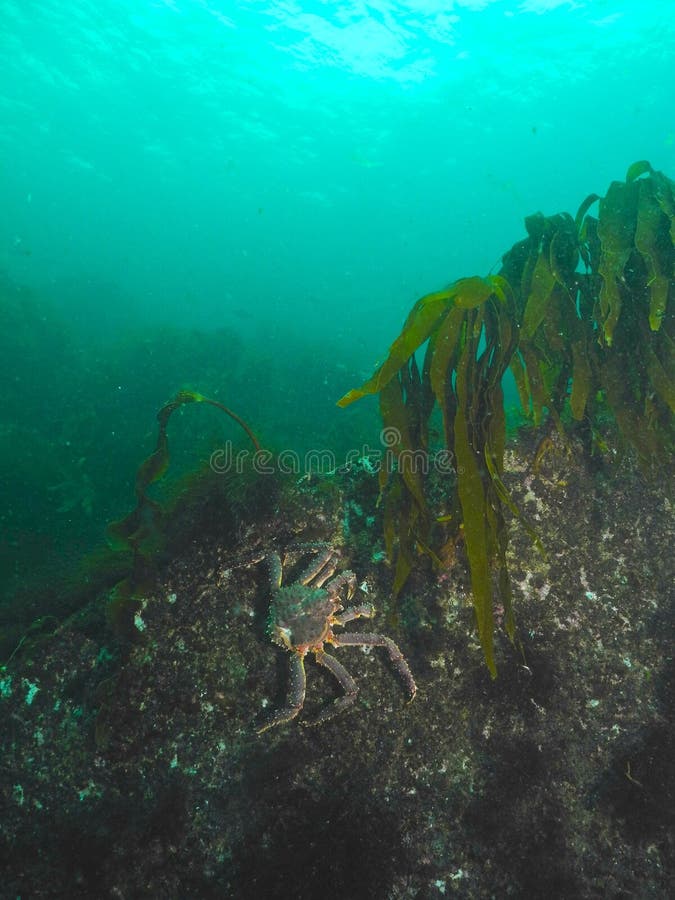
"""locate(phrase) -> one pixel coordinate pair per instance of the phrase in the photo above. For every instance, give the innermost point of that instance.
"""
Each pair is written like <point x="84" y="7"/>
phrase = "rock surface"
<point x="138" y="773"/>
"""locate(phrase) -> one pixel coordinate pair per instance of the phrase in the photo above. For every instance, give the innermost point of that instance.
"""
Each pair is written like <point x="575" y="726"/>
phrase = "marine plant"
<point x="141" y="532"/>
<point x="581" y="312"/>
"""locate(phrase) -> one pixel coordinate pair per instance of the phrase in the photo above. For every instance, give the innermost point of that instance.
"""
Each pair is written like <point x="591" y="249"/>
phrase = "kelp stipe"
<point x="140" y="533"/>
<point x="581" y="309"/>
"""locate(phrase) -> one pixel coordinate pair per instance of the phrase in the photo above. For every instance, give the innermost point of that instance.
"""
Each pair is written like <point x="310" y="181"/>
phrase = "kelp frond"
<point x="581" y="308"/>
<point x="140" y="531"/>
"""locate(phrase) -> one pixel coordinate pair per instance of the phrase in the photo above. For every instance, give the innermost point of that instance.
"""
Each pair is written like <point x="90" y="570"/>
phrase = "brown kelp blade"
<point x="578" y="340"/>
<point x="424" y="317"/>
<point x="126" y="533"/>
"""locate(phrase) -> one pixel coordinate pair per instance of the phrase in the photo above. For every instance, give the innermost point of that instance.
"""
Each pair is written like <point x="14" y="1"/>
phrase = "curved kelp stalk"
<point x="140" y="532"/>
<point x="581" y="309"/>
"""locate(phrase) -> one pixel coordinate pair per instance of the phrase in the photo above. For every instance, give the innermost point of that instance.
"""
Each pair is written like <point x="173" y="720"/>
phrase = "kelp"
<point x="581" y="312"/>
<point x="140" y="532"/>
<point x="464" y="364"/>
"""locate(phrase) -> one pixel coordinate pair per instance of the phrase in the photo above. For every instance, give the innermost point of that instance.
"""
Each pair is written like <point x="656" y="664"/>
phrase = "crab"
<point x="302" y="617"/>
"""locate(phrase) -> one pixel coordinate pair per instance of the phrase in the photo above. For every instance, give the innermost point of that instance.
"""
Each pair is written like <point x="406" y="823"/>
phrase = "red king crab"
<point x="302" y="616"/>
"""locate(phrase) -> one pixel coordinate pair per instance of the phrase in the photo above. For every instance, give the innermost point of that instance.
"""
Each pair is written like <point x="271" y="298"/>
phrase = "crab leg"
<point x="344" y="579"/>
<point x="346" y="682"/>
<point x="320" y="569"/>
<point x="351" y="639"/>
<point x="365" y="611"/>
<point x="296" y="695"/>
<point x="275" y="570"/>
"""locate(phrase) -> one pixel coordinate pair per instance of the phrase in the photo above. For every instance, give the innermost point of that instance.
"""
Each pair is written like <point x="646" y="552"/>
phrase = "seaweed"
<point x="140" y="533"/>
<point x="581" y="312"/>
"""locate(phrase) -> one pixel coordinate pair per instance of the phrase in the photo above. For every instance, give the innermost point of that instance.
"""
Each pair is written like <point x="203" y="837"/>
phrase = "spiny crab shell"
<point x="299" y="616"/>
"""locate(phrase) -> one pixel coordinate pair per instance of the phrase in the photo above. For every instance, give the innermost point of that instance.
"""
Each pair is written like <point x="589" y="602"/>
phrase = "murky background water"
<point x="246" y="198"/>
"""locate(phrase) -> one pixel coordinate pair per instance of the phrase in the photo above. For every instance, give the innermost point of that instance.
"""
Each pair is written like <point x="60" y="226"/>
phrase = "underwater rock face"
<point x="141" y="775"/>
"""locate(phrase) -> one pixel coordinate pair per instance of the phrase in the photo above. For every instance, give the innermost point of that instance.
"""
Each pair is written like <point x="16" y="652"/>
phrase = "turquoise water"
<point x="246" y="198"/>
<point x="316" y="166"/>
